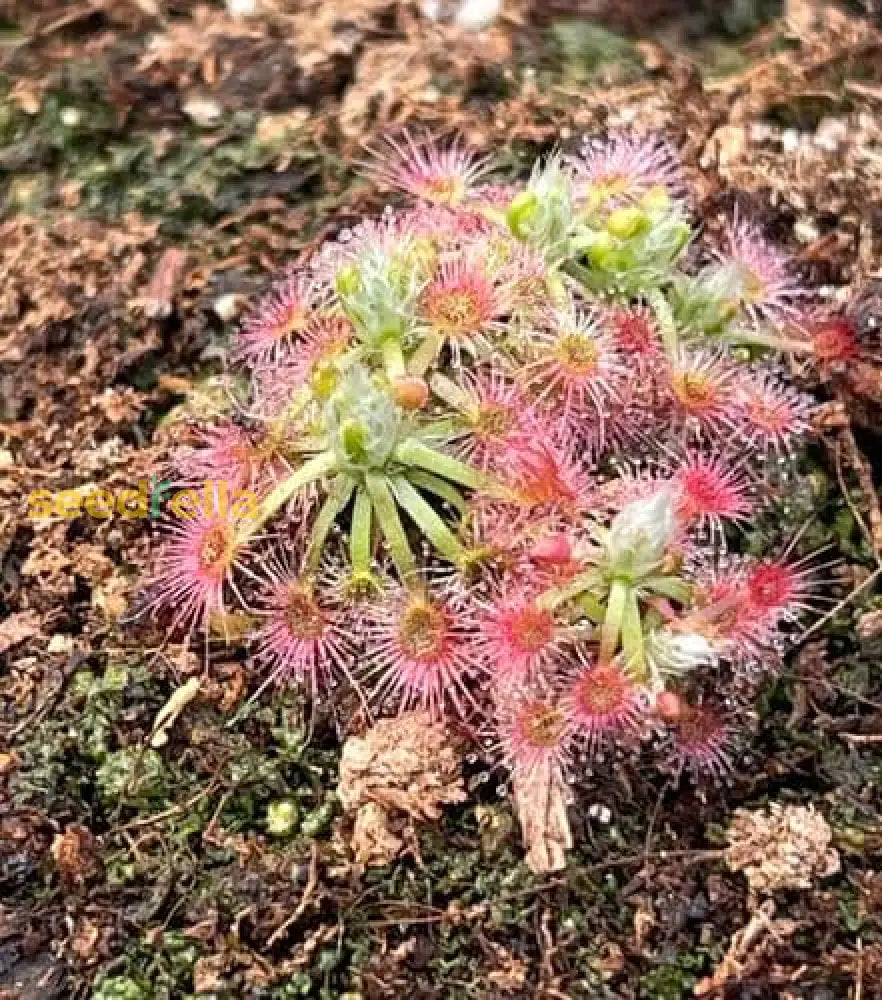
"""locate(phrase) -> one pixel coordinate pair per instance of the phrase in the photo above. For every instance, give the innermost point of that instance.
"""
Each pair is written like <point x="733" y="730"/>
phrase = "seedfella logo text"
<point x="152" y="498"/>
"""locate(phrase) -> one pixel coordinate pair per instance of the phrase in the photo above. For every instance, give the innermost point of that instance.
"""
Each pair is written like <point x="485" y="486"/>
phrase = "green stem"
<point x="753" y="338"/>
<point x="632" y="635"/>
<point x="668" y="586"/>
<point x="576" y="588"/>
<point x="393" y="357"/>
<point x="424" y="356"/>
<point x="427" y="520"/>
<point x="452" y="394"/>
<point x="360" y="533"/>
<point x="440" y="487"/>
<point x="612" y="623"/>
<point x="390" y="524"/>
<point x="413" y="452"/>
<point x="272" y="503"/>
<point x="338" y="497"/>
<point x="591" y="607"/>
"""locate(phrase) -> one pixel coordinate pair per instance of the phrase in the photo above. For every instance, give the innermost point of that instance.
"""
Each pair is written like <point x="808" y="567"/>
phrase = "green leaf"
<point x="611" y="630"/>
<point x="668" y="586"/>
<point x="591" y="607"/>
<point x="338" y="497"/>
<point x="452" y="394"/>
<point x="360" y="533"/>
<point x="390" y="524"/>
<point x="393" y="357"/>
<point x="632" y="633"/>
<point x="427" y="520"/>
<point x="440" y="487"/>
<point x="584" y="585"/>
<point x="412" y="452"/>
<point x="424" y="356"/>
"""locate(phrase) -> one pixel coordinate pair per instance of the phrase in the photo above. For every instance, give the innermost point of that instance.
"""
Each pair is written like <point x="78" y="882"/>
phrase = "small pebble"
<point x="600" y="812"/>
<point x="227" y="307"/>
<point x="869" y="625"/>
<point x="204" y="111"/>
<point x="761" y="132"/>
<point x="60" y="643"/>
<point x="70" y="117"/>
<point x="242" y="8"/>
<point x="831" y="134"/>
<point x="805" y="231"/>
<point x="790" y="140"/>
<point x="472" y="15"/>
<point x="476" y="15"/>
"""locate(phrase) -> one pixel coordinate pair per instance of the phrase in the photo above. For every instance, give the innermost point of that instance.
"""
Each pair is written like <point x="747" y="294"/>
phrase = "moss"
<point x="188" y="178"/>
<point x="119" y="988"/>
<point x="586" y="50"/>
<point x="673" y="980"/>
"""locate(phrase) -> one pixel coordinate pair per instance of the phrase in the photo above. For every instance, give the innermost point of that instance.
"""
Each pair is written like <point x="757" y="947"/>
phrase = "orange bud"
<point x="410" y="392"/>
<point x="669" y="706"/>
<point x="555" y="549"/>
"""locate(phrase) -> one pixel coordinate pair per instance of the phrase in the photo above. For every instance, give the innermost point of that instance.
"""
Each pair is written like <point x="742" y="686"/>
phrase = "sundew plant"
<point x="502" y="439"/>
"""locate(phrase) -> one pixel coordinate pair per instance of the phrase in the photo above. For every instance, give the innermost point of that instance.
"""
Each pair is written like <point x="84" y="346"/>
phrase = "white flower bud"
<point x="678" y="652"/>
<point x="642" y="531"/>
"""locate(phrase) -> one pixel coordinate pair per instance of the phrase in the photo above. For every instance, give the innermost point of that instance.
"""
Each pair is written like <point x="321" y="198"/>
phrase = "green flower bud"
<point x="325" y="379"/>
<point x="118" y="988"/>
<point x="602" y="251"/>
<point x="626" y="223"/>
<point x="521" y="211"/>
<point x="347" y="281"/>
<point x="281" y="817"/>
<point x="639" y="535"/>
<point x="353" y="436"/>
<point x="83" y="681"/>
<point x="681" y="236"/>
<point x="319" y="820"/>
<point x="115" y="678"/>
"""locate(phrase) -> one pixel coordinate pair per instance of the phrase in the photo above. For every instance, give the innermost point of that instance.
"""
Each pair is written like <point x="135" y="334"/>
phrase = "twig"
<point x="742" y="944"/>
<point x="73" y="662"/>
<point x="305" y="900"/>
<point x="864" y="475"/>
<point x="870" y="91"/>
<point x="473" y="912"/>
<point x="859" y="972"/>
<point x="647" y="843"/>
<point x="843" y="488"/>
<point x="70" y="17"/>
<point x="159" y="817"/>
<point x="821" y="622"/>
